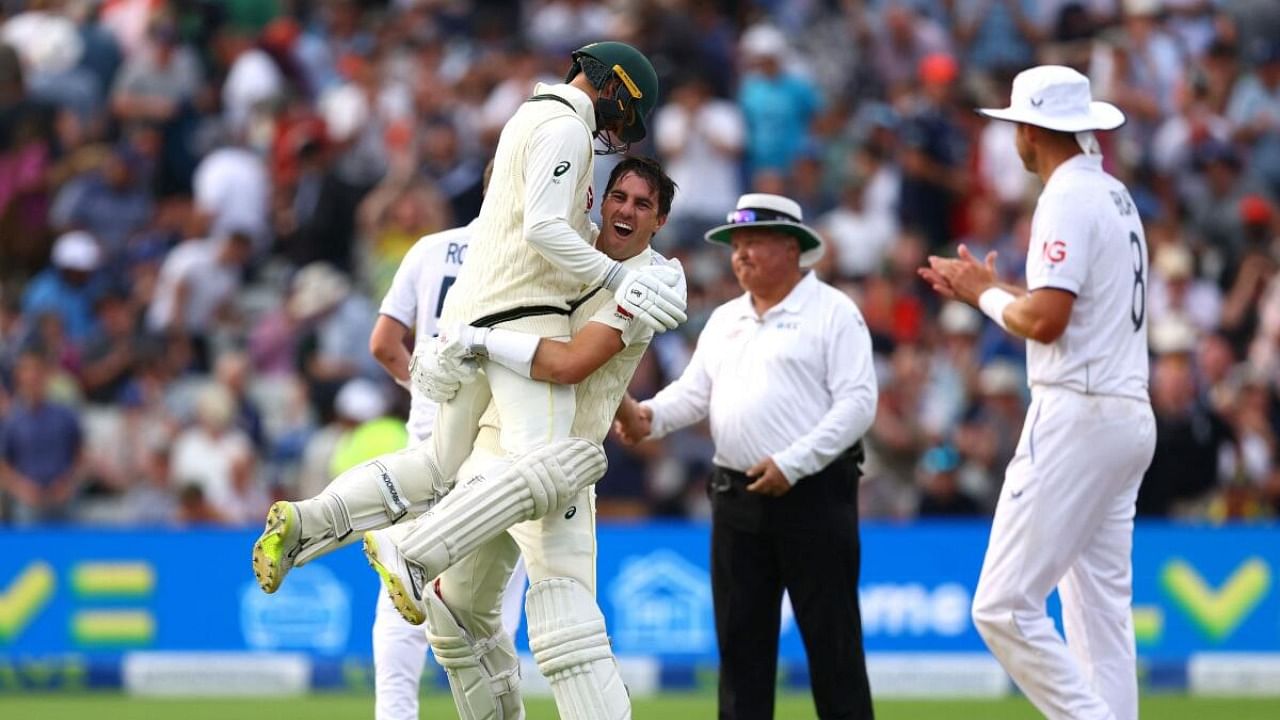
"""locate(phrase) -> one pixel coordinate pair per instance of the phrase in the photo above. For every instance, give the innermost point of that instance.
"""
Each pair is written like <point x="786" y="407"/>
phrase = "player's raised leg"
<point x="477" y="510"/>
<point x="376" y="494"/>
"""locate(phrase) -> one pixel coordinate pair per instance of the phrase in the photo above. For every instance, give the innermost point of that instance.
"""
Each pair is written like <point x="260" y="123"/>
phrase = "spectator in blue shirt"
<point x="68" y="289"/>
<point x="110" y="203"/>
<point x="778" y="106"/>
<point x="41" y="447"/>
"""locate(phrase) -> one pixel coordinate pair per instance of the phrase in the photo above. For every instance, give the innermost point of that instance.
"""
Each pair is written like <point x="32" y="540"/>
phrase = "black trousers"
<point x="805" y="542"/>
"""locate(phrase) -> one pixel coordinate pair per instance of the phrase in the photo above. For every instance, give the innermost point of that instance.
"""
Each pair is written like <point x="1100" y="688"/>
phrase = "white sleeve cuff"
<point x="512" y="350"/>
<point x="993" y="301"/>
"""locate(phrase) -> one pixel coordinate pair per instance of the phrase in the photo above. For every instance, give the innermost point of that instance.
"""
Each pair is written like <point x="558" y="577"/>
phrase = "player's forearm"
<point x="569" y="363"/>
<point x="387" y="345"/>
<point x="564" y="248"/>
<point x="1024" y="318"/>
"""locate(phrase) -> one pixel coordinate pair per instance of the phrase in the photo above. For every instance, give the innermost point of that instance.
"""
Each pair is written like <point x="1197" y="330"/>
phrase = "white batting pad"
<point x="569" y="643"/>
<point x="369" y="496"/>
<point x="483" y="506"/>
<point x="484" y="675"/>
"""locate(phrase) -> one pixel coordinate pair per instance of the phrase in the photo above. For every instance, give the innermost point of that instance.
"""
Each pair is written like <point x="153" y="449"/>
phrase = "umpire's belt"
<point x="516" y="313"/>
<point x="847" y="463"/>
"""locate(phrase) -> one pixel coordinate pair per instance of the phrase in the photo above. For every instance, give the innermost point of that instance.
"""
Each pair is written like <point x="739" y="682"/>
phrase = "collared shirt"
<point x="1087" y="239"/>
<point x="795" y="384"/>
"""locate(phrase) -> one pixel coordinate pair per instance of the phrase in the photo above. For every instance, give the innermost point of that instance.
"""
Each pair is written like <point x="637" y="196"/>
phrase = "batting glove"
<point x="649" y="294"/>
<point x="439" y="368"/>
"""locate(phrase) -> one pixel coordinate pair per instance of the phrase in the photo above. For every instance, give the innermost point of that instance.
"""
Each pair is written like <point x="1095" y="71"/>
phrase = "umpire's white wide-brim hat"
<point x="1056" y="98"/>
<point x="771" y="211"/>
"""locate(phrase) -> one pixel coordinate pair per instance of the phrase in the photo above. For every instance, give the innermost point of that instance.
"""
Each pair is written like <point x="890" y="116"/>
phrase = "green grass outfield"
<point x="671" y="706"/>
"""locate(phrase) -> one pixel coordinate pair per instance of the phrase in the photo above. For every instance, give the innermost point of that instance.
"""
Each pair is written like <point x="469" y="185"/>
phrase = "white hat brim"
<point x="812" y="247"/>
<point x="1101" y="116"/>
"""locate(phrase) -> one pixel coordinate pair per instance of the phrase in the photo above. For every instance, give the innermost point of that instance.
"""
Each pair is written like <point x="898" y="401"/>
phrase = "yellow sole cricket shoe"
<point x="405" y="582"/>
<point x="275" y="549"/>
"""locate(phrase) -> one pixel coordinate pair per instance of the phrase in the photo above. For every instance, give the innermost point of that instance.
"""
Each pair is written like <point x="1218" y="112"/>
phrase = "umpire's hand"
<point x="769" y="480"/>
<point x="633" y="422"/>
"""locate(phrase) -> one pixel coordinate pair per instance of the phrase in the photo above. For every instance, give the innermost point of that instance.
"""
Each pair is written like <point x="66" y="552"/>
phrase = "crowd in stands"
<point x="203" y="201"/>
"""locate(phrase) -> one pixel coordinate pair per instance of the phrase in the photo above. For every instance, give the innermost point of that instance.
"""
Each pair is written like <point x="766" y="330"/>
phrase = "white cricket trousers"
<point x="400" y="650"/>
<point x="1065" y="519"/>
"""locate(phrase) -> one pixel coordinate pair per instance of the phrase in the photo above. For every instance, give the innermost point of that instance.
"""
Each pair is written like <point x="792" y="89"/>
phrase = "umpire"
<point x="785" y="374"/>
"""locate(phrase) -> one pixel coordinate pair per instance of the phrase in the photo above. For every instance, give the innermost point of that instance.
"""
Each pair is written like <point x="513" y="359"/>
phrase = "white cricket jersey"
<point x="796" y="384"/>
<point x="598" y="396"/>
<point x="1087" y="239"/>
<point x="533" y="241"/>
<point x="416" y="298"/>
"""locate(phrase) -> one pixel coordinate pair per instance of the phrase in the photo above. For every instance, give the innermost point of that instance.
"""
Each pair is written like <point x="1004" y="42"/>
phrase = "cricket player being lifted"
<point x="530" y="263"/>
<point x="550" y="523"/>
<point x="1065" y="514"/>
<point x="412" y="308"/>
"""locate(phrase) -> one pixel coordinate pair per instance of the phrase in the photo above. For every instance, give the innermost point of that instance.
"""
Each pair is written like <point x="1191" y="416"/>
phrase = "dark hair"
<point x="652" y="173"/>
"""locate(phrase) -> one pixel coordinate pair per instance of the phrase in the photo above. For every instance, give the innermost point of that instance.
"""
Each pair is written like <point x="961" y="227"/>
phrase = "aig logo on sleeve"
<point x="1055" y="252"/>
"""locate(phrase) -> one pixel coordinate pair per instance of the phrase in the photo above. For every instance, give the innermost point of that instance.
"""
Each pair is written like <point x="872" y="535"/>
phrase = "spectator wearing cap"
<point x="358" y="401"/>
<point x="784" y="372"/>
<point x="934" y="157"/>
<point x="777" y="105"/>
<point x="41" y="447"/>
<point x="941" y="495"/>
<point x="337" y="322"/>
<point x="953" y="369"/>
<point x="70" y="287"/>
<point x="1254" y="109"/>
<point x="1177" y="291"/>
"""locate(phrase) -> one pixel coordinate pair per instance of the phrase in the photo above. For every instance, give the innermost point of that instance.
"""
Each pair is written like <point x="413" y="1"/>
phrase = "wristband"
<point x="614" y="277"/>
<point x="511" y="349"/>
<point x="993" y="301"/>
<point x="406" y="384"/>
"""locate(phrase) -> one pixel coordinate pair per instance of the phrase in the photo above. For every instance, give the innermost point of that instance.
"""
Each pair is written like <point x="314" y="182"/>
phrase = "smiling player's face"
<point x="630" y="215"/>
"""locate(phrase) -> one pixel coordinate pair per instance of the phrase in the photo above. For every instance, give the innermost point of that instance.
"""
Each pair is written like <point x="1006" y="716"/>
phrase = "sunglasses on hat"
<point x="751" y="215"/>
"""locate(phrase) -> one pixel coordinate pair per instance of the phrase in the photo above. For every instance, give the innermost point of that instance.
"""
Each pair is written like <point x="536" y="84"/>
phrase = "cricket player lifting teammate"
<point x="530" y="261"/>
<point x="566" y="628"/>
<point x="1065" y="513"/>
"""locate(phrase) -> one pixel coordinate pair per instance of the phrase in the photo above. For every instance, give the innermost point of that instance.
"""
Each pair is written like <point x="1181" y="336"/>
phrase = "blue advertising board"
<point x="97" y="594"/>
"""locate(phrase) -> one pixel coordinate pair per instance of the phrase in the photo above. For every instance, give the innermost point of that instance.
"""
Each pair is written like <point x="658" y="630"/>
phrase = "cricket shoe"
<point x="276" y="548"/>
<point x="405" y="581"/>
